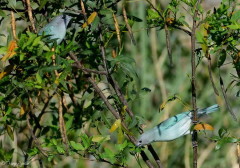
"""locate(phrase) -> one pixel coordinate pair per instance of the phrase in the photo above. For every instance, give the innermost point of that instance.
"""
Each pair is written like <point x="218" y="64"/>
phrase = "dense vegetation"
<point x="123" y="67"/>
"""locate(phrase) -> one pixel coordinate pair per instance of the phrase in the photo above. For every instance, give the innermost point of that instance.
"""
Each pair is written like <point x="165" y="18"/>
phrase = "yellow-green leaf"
<point x="90" y="19"/>
<point x="99" y="138"/>
<point x="10" y="132"/>
<point x="115" y="125"/>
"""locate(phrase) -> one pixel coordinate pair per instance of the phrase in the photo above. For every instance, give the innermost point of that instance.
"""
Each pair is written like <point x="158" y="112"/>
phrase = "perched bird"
<point x="56" y="29"/>
<point x="173" y="128"/>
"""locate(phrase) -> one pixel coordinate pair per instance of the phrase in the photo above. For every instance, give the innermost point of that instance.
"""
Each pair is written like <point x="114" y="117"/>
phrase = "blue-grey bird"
<point x="56" y="29"/>
<point x="173" y="128"/>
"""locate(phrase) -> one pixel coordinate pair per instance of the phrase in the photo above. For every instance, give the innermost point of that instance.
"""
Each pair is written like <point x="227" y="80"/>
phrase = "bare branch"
<point x="30" y="15"/>
<point x="226" y="99"/>
<point x="194" y="95"/>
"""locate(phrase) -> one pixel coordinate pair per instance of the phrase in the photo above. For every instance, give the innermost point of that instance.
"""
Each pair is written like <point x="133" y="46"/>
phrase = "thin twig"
<point x="34" y="137"/>
<point x="30" y="15"/>
<point x="238" y="153"/>
<point x="128" y="26"/>
<point x="62" y="123"/>
<point x="184" y="30"/>
<point x="13" y="25"/>
<point x="226" y="99"/>
<point x="117" y="30"/>
<point x="154" y="8"/>
<point x="79" y="66"/>
<point x="113" y="83"/>
<point x="210" y="75"/>
<point x="168" y="44"/>
<point x="36" y="120"/>
<point x="155" y="156"/>
<point x="83" y="10"/>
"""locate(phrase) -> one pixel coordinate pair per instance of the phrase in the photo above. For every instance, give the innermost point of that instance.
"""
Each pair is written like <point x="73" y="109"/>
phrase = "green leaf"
<point x="60" y="149"/>
<point x="95" y="23"/>
<point x="229" y="140"/>
<point x="152" y="14"/>
<point x="69" y="122"/>
<point x="36" y="41"/>
<point x="50" y="158"/>
<point x="121" y="147"/>
<point x="76" y="146"/>
<point x="222" y="57"/>
<point x="234" y="26"/>
<point x="105" y="11"/>
<point x="236" y="16"/>
<point x="10" y="132"/>
<point x="12" y="3"/>
<point x="33" y="151"/>
<point x="38" y="77"/>
<point x="54" y="141"/>
<point x="86" y="141"/>
<point x="2" y="13"/>
<point x="222" y="132"/>
<point x="42" y="4"/>
<point x="109" y="155"/>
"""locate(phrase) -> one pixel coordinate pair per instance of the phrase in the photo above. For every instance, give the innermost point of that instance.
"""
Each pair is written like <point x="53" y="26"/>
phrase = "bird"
<point x="56" y="29"/>
<point x="173" y="128"/>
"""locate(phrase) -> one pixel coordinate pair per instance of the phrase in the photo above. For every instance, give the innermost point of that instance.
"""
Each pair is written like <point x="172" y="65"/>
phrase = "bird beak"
<point x="138" y="144"/>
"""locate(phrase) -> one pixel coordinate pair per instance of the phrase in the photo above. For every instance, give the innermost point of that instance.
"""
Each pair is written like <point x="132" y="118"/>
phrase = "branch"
<point x="34" y="137"/>
<point x="184" y="30"/>
<point x="128" y="26"/>
<point x="226" y="99"/>
<point x="113" y="83"/>
<point x="166" y="33"/>
<point x="62" y="123"/>
<point x="193" y="82"/>
<point x="112" y="110"/>
<point x="30" y="15"/>
<point x="119" y="93"/>
<point x="210" y="75"/>
<point x="13" y="25"/>
<point x="159" y="13"/>
<point x="36" y="119"/>
<point x="79" y="66"/>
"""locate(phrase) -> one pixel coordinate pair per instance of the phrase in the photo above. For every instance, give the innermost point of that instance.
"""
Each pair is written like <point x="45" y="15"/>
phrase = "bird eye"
<point x="140" y="141"/>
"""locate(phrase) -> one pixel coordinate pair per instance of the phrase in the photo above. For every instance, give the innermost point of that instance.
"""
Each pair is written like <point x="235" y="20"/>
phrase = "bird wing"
<point x="48" y="30"/>
<point x="173" y="120"/>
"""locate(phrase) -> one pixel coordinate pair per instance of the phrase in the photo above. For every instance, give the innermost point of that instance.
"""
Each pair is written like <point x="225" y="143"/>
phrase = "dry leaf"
<point x="90" y="19"/>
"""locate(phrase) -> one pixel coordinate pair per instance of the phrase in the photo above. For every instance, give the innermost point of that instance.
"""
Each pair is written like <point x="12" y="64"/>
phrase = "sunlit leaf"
<point x="99" y="138"/>
<point x="115" y="125"/>
<point x="76" y="146"/>
<point x="23" y="109"/>
<point x="10" y="52"/>
<point x="10" y="132"/>
<point x="90" y="19"/>
<point x="120" y="136"/>
<point x="203" y="126"/>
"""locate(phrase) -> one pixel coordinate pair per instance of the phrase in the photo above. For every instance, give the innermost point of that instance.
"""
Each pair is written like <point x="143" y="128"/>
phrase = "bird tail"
<point x="208" y="110"/>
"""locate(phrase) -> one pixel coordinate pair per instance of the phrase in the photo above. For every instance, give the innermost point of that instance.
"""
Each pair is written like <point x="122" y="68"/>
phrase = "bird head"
<point x="62" y="18"/>
<point x="144" y="139"/>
